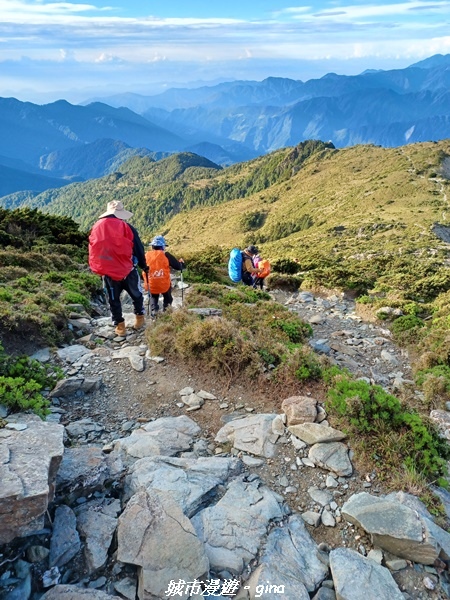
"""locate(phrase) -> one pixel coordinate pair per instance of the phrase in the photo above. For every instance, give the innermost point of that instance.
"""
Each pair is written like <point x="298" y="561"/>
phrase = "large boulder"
<point x="29" y="461"/>
<point x="393" y="527"/>
<point x="299" y="409"/>
<point x="234" y="528"/>
<point x="358" y="578"/>
<point x="333" y="457"/>
<point x="290" y="560"/>
<point x="314" y="433"/>
<point x="155" y="535"/>
<point x="251" y="434"/>
<point x="190" y="481"/>
<point x="164" y="437"/>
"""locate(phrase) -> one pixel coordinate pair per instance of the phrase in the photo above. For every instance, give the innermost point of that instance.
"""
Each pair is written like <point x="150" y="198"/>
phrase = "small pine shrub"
<point x="18" y="394"/>
<point x="395" y="432"/>
<point x="406" y="323"/>
<point x="21" y="381"/>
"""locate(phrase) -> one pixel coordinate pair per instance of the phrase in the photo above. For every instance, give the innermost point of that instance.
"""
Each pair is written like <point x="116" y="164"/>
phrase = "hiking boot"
<point x="120" y="329"/>
<point x="140" y="322"/>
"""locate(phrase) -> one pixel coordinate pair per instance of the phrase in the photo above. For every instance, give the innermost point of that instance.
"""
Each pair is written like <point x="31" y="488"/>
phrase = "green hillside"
<point x="341" y="201"/>
<point x="156" y="191"/>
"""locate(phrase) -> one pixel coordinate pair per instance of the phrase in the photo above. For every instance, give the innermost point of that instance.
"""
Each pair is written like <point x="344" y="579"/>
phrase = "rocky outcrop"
<point x="251" y="434"/>
<point x="291" y="561"/>
<point x="232" y="537"/>
<point x="358" y="578"/>
<point x="190" y="481"/>
<point x="166" y="437"/>
<point x="29" y="460"/>
<point x="155" y="535"/>
<point x="393" y="527"/>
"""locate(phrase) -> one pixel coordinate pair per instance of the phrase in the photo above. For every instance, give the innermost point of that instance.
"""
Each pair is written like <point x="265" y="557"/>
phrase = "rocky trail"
<point x="151" y="480"/>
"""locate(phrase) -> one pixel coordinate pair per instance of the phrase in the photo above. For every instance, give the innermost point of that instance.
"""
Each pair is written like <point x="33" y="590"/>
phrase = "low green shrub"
<point x="391" y="430"/>
<point x="18" y="394"/>
<point x="22" y="380"/>
<point x="405" y="323"/>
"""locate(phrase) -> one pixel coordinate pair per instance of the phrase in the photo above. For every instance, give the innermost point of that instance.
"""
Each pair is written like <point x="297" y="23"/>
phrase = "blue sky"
<point x="82" y="48"/>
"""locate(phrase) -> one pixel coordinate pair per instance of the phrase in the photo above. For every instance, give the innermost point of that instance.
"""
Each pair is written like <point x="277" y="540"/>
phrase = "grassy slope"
<point x="355" y="188"/>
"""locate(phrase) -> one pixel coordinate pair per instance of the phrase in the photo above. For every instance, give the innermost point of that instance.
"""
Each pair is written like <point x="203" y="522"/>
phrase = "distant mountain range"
<point x="49" y="146"/>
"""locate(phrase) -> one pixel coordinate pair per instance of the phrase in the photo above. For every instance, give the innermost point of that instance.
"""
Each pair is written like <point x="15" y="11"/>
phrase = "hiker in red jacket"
<point x="160" y="262"/>
<point x="114" y="251"/>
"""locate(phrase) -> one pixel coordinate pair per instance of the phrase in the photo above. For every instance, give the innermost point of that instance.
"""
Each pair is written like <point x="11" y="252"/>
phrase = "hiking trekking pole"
<point x="148" y="293"/>
<point x="182" y="287"/>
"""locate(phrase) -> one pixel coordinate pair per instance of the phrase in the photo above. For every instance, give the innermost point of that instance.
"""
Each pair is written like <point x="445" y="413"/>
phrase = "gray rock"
<point x="126" y="352"/>
<point x="186" y="391"/>
<point x="126" y="588"/>
<point x="29" y="461"/>
<point x="393" y="527"/>
<point x="22" y="588"/>
<point x="193" y="400"/>
<point x="311" y="518"/>
<point x="191" y="482"/>
<point x="251" y="434"/>
<point x="431" y="530"/>
<point x="206" y="395"/>
<point x="65" y="542"/>
<point x="83" y="427"/>
<point x="322" y="497"/>
<point x="87" y="468"/>
<point x="97" y="530"/>
<point x="73" y="353"/>
<point x="324" y="593"/>
<point x="37" y="554"/>
<point x="251" y="461"/>
<point x="166" y="436"/>
<point x="74" y="592"/>
<point x="396" y="564"/>
<point x="376" y="555"/>
<point x="299" y="409"/>
<point x="290" y="559"/>
<point x="327" y="518"/>
<point x="278" y="425"/>
<point x="148" y="519"/>
<point x="332" y="456"/>
<point x="232" y="537"/>
<point x="358" y="578"/>
<point x="67" y="387"/>
<point x="137" y="362"/>
<point x="42" y="355"/>
<point x="331" y="482"/>
<point x="314" y="433"/>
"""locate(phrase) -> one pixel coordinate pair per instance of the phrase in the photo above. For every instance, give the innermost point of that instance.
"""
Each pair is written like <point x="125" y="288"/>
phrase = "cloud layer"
<point x="50" y="46"/>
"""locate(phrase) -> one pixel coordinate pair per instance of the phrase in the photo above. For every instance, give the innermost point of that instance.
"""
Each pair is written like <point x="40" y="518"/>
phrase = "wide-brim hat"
<point x="115" y="207"/>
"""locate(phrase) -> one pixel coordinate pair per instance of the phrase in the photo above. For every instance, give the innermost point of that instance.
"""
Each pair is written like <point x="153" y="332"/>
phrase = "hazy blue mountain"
<point x="33" y="182"/>
<point x="30" y="131"/>
<point x="91" y="160"/>
<point x="228" y="122"/>
<point x="380" y="108"/>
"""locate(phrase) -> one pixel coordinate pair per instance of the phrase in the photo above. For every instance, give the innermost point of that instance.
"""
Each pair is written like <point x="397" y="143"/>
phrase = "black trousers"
<point x="247" y="278"/>
<point x="167" y="300"/>
<point x="132" y="285"/>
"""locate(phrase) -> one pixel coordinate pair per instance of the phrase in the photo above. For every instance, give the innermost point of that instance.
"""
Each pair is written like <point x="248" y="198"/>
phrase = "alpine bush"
<point x="379" y="416"/>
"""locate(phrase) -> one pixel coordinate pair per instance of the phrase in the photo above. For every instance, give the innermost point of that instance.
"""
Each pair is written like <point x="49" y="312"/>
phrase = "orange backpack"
<point x="159" y="275"/>
<point x="265" y="266"/>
